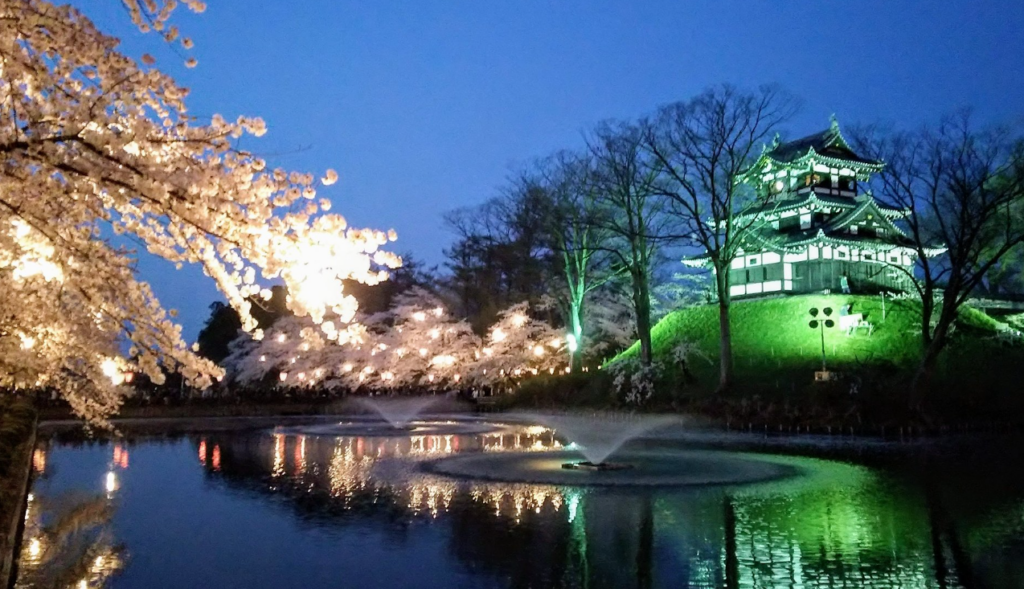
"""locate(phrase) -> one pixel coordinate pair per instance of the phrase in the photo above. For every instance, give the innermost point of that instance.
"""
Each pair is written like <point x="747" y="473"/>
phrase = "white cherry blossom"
<point x="96" y="145"/>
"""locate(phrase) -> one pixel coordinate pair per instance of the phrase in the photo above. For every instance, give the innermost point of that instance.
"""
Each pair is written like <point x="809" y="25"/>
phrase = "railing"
<point x="826" y="191"/>
<point x="985" y="303"/>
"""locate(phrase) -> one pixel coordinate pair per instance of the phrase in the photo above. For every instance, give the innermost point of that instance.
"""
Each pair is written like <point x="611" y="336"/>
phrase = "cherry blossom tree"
<point x="612" y="327"/>
<point x="96" y="145"/>
<point x="429" y="347"/>
<point x="416" y="345"/>
<point x="518" y="346"/>
<point x="296" y="352"/>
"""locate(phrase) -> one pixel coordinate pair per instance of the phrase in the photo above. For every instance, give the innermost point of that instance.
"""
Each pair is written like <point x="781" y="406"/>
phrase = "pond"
<point x="308" y="507"/>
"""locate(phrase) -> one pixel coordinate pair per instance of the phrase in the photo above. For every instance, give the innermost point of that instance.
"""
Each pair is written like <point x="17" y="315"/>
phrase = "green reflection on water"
<point x="836" y="525"/>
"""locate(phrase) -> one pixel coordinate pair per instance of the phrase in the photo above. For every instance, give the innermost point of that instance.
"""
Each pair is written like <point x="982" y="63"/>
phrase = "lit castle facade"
<point x="817" y="230"/>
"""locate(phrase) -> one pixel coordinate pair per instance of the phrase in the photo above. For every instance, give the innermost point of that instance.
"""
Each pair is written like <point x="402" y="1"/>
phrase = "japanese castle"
<point x="817" y="232"/>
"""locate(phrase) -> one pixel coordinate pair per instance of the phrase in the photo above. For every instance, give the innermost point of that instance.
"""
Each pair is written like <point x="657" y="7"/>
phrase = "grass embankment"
<point x="17" y="428"/>
<point x="776" y="354"/>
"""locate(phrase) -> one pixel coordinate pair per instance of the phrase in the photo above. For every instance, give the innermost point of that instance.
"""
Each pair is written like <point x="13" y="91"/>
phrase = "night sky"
<point x="423" y="106"/>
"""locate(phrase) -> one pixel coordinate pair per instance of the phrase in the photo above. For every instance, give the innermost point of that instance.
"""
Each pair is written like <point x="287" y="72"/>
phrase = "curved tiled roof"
<point x="829" y="143"/>
<point x="775" y="207"/>
<point x="822" y="143"/>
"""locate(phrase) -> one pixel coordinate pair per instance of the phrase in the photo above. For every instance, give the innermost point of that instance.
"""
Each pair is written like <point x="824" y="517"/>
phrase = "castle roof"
<point x="828" y="146"/>
<point x="810" y="199"/>
<point x="829" y="143"/>
<point x="827" y="215"/>
<point x="835" y="232"/>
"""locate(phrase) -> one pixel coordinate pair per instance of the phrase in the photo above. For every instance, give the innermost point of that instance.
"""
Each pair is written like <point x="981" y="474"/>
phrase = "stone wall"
<point x="13" y="491"/>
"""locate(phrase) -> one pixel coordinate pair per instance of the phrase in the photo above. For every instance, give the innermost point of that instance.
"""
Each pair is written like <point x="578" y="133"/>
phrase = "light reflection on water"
<point x="68" y="539"/>
<point x="346" y="466"/>
<point x="294" y="506"/>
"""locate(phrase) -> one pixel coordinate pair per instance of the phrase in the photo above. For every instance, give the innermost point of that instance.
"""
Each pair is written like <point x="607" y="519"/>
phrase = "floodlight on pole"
<point x="821" y="324"/>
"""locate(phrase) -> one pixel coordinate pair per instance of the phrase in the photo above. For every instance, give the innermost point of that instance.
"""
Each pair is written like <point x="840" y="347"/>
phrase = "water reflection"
<point x="68" y="540"/>
<point x="842" y="526"/>
<point x="350" y="470"/>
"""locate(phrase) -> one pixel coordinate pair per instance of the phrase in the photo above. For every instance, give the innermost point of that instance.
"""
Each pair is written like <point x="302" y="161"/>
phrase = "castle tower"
<point x="818" y="231"/>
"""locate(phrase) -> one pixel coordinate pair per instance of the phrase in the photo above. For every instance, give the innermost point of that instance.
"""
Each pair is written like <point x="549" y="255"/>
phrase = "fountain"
<point x="393" y="417"/>
<point x="399" y="412"/>
<point x="597" y="436"/>
<point x="600" y="437"/>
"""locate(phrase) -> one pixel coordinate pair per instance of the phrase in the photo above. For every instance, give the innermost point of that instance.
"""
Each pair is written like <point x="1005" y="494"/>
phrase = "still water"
<point x="277" y="508"/>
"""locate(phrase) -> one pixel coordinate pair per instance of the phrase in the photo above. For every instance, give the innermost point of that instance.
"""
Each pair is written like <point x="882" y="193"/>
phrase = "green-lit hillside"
<point x="774" y="347"/>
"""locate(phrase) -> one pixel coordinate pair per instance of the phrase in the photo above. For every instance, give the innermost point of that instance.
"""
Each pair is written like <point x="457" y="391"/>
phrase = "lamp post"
<point x="820" y="325"/>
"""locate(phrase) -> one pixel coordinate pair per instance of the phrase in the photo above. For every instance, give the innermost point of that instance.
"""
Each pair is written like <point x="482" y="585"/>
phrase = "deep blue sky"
<point x="422" y="106"/>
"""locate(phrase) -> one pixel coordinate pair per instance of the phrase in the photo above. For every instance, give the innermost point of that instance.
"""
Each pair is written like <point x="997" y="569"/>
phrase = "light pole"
<point x="820" y="325"/>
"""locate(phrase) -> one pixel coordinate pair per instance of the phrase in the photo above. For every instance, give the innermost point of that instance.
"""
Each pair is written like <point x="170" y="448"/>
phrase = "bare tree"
<point x="572" y="210"/>
<point x="501" y="255"/>
<point x="964" y="189"/>
<point x="703" y="146"/>
<point x="630" y="211"/>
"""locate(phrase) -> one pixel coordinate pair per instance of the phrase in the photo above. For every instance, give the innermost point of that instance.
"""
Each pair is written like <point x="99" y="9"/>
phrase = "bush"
<point x="582" y="389"/>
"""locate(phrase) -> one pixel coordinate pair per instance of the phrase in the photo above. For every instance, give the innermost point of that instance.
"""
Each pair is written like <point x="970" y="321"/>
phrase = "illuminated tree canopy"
<point x="417" y="344"/>
<point x="100" y="152"/>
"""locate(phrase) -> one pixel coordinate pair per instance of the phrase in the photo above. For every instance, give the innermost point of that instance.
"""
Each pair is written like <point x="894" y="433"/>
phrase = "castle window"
<point x="894" y="259"/>
<point x="853" y="229"/>
<point x="869" y="257"/>
<point x="841" y="255"/>
<point x="805" y="221"/>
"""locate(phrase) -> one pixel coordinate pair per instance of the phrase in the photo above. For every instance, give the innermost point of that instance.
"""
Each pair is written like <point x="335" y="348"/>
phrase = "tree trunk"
<point x="724" y="332"/>
<point x="935" y="343"/>
<point x="938" y="551"/>
<point x="576" y="327"/>
<point x="942" y="524"/>
<point x="642" y="306"/>
<point x="922" y="381"/>
<point x="927" y="309"/>
<point x="645" y="545"/>
<point x="732" y="564"/>
<point x="577" y="291"/>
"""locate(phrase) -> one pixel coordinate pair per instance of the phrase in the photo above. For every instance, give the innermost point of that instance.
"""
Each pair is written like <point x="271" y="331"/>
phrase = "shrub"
<point x="581" y="389"/>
